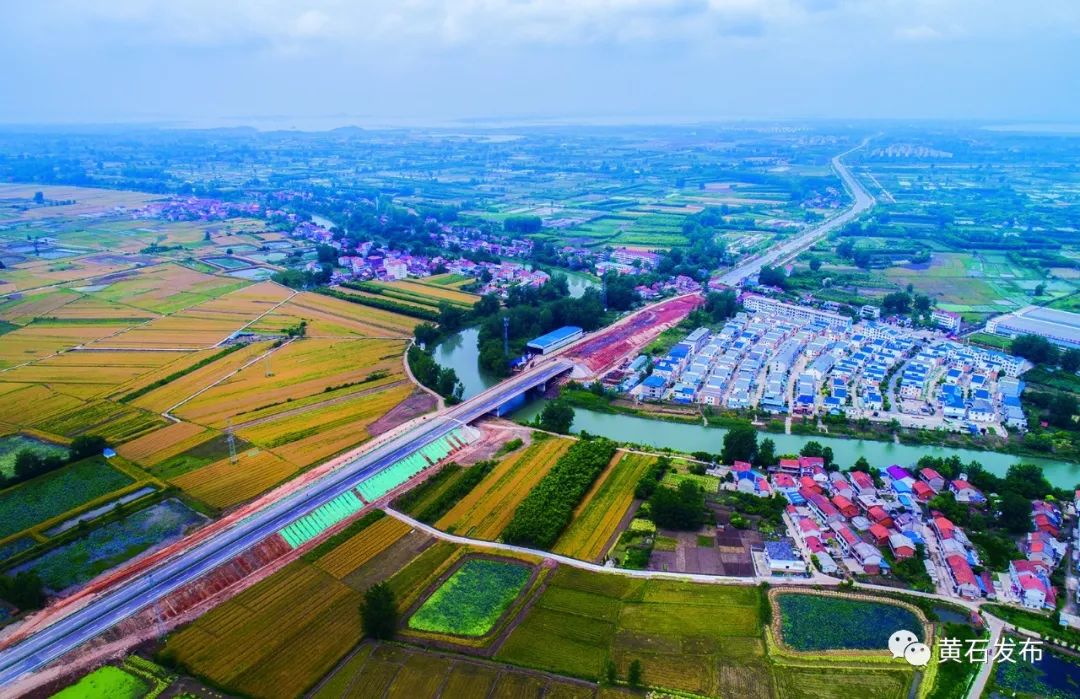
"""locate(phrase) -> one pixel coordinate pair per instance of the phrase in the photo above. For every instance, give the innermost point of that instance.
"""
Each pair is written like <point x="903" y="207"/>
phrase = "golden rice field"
<point x="299" y="370"/>
<point x="87" y="309"/>
<point x="43" y="303"/>
<point x="275" y="639"/>
<point x="362" y="547"/>
<point x="163" y="398"/>
<point x="37" y="340"/>
<point x="434" y="291"/>
<point x="116" y="423"/>
<point x="89" y="374"/>
<point x="328" y="316"/>
<point x="165" y="288"/>
<point x="223" y="483"/>
<point x="485" y="512"/>
<point x="154" y="448"/>
<point x="317" y="434"/>
<point x="597" y="518"/>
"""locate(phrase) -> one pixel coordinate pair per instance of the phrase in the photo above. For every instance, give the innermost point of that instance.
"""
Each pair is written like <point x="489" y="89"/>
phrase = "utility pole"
<point x="232" y="441"/>
<point x="506" y="336"/>
<point x="603" y="292"/>
<point x="266" y="363"/>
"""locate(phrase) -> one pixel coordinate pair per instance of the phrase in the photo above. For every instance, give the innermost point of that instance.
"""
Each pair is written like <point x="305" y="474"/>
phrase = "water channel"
<point x="459" y="352"/>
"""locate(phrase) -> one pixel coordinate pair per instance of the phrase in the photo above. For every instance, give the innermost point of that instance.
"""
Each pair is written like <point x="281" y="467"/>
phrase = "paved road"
<point x="781" y="253"/>
<point x="138" y="592"/>
<point x="996" y="628"/>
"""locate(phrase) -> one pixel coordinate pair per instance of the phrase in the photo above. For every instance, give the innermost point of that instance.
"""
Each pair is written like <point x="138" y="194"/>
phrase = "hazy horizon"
<point x="431" y="62"/>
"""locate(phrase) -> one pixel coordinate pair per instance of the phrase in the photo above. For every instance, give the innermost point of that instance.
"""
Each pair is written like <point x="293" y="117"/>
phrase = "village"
<point x="801" y="361"/>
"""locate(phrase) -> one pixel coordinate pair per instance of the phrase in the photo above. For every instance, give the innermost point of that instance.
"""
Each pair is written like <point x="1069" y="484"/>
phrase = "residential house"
<point x="1041" y="547"/>
<point x="782" y="558"/>
<point x="966" y="492"/>
<point x="922" y="491"/>
<point x="962" y="577"/>
<point x="933" y="479"/>
<point x="879" y="534"/>
<point x="1031" y="583"/>
<point x="846" y="507"/>
<point x="901" y="546"/>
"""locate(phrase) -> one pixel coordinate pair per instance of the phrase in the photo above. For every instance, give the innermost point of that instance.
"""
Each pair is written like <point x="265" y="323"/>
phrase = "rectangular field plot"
<point x="302" y="372"/>
<point x="597" y="519"/>
<point x="470" y="601"/>
<point x="164" y="289"/>
<point x="703" y="639"/>
<point x="485" y="511"/>
<point x="53" y="494"/>
<point x="328" y="316"/>
<point x="223" y="483"/>
<point x="361" y="548"/>
<point x="376" y="670"/>
<point x="275" y="639"/>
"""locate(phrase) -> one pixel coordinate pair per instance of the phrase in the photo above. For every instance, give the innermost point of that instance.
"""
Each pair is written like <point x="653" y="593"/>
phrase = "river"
<point x="459" y="352"/>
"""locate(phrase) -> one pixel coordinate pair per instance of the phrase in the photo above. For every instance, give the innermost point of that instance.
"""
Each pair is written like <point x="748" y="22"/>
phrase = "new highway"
<point x="138" y="592"/>
<point x="790" y="248"/>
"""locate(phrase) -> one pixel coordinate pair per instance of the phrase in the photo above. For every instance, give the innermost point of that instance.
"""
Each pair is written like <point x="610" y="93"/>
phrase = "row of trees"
<point x="549" y="507"/>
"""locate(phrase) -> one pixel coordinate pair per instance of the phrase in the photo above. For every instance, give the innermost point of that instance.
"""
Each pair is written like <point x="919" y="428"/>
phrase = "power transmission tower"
<point x="266" y="364"/>
<point x="232" y="441"/>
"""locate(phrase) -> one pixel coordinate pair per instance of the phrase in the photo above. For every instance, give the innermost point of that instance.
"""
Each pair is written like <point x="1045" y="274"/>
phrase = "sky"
<point x="326" y="63"/>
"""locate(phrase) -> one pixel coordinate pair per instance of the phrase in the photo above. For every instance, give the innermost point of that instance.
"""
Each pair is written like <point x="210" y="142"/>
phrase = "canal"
<point x="459" y="352"/>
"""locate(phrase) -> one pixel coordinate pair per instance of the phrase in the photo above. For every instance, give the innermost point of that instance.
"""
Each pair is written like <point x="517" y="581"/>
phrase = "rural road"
<point x="781" y="253"/>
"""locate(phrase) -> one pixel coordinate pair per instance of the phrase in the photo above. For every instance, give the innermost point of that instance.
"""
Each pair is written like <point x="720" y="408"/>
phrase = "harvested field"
<point x="38" y="340"/>
<point x="223" y="484"/>
<point x="486" y="511"/>
<point x="435" y="292"/>
<point x="606" y="349"/>
<point x="597" y="517"/>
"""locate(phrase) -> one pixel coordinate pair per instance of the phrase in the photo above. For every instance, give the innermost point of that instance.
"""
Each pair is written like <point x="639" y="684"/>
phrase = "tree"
<point x="27" y="464"/>
<point x="772" y="276"/>
<point x="25" y="590"/>
<point x="861" y="464"/>
<point x="681" y="508"/>
<point x="611" y="672"/>
<point x="1070" y="360"/>
<point x="815" y="264"/>
<point x="740" y="444"/>
<point x="451" y="317"/>
<point x="488" y="305"/>
<point x="379" y="612"/>
<point x="634" y="675"/>
<point x="328" y="254"/>
<point x="814" y="448"/>
<point x="766" y="453"/>
<point x="87" y="445"/>
<point x="557" y="416"/>
<point x="721" y="305"/>
<point x="896" y="302"/>
<point x="426" y="334"/>
<point x="1015" y="512"/>
<point x="1062" y="408"/>
<point x="1035" y="349"/>
<point x="39" y="197"/>
<point x="1040" y="289"/>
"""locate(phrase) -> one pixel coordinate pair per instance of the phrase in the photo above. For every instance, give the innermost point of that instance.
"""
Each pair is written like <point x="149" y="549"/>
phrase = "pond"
<point x="819" y="622"/>
<point x="1051" y="677"/>
<point x="107" y="546"/>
